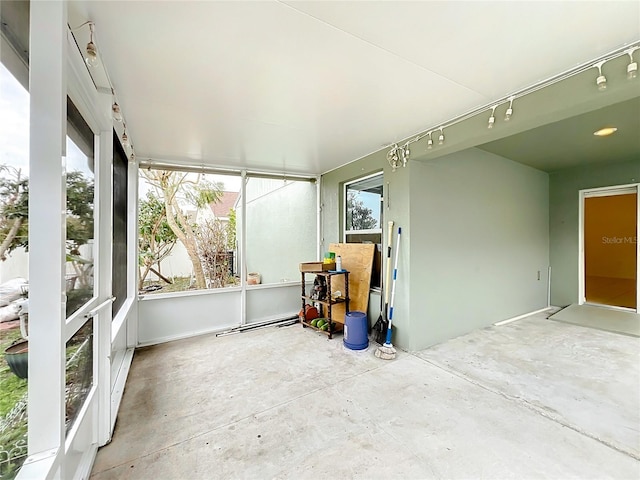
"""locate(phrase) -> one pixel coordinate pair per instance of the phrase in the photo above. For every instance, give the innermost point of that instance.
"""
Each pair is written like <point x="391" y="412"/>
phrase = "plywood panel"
<point x="357" y="258"/>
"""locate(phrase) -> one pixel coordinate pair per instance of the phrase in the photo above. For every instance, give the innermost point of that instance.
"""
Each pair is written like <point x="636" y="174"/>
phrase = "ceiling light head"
<point x="492" y="118"/>
<point x="117" y="114"/>
<point x="605" y="132"/>
<point x="429" y="141"/>
<point x="441" y="136"/>
<point x="92" y="55"/>
<point x="509" y="113"/>
<point x="632" y="68"/>
<point x="405" y="155"/>
<point x="125" y="138"/>
<point x="601" y="81"/>
<point x="132" y="157"/>
<point x="92" y="51"/>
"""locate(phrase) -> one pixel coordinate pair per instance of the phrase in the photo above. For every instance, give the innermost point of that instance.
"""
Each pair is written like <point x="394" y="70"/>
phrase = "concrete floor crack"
<point x="540" y="410"/>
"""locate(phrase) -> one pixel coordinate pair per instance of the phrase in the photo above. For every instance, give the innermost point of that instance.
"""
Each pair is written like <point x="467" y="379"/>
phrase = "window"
<point x="14" y="268"/>
<point x="80" y="215"/>
<point x="363" y="217"/>
<point x="281" y="227"/>
<point x="119" y="253"/>
<point x="187" y="231"/>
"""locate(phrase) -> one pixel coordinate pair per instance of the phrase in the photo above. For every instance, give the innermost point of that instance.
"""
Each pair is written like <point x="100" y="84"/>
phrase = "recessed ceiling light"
<point x="604" y="132"/>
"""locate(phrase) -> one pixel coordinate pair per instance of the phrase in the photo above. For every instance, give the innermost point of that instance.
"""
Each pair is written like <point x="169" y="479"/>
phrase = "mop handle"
<point x="388" y="273"/>
<point x="393" y="288"/>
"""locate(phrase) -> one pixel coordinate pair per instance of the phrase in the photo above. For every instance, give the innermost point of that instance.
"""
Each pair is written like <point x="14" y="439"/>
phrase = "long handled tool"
<point x="387" y="351"/>
<point x="380" y="326"/>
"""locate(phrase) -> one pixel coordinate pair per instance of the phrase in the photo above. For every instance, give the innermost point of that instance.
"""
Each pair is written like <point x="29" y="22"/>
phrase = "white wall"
<point x="16" y="265"/>
<point x="272" y="302"/>
<point x="480" y="235"/>
<point x="176" y="264"/>
<point x="281" y="229"/>
<point x="162" y="318"/>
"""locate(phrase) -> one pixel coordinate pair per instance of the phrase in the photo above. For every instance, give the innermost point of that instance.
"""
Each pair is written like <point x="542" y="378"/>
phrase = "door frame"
<point x="606" y="192"/>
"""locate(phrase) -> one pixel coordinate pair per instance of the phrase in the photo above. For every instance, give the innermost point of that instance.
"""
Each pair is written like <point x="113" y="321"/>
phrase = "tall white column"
<point x="47" y="196"/>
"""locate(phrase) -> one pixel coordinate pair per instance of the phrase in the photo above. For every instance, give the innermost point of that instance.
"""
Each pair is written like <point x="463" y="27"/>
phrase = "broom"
<point x="386" y="351"/>
<point x="381" y="324"/>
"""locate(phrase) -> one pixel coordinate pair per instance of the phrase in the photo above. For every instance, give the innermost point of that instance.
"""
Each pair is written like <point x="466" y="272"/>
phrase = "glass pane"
<point x="281" y="229"/>
<point x="14" y="271"/>
<point x="364" y="204"/>
<point x="79" y="371"/>
<point x="187" y="231"/>
<point x="80" y="200"/>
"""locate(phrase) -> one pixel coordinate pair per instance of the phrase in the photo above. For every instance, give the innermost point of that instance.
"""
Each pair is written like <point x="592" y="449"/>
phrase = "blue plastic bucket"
<point x="355" y="331"/>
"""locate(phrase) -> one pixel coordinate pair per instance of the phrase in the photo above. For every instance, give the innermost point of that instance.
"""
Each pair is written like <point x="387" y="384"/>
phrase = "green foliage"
<point x="14" y="206"/>
<point x="231" y="230"/>
<point x="203" y="193"/>
<point x="14" y="209"/>
<point x="80" y="196"/>
<point x="152" y="223"/>
<point x="156" y="238"/>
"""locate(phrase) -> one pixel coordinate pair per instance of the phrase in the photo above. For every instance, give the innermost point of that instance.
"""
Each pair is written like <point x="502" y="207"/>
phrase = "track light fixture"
<point x="92" y="51"/>
<point x="117" y="114"/>
<point x="115" y="108"/>
<point x="601" y="81"/>
<point x="632" y="68"/>
<point x="509" y="112"/>
<point x="132" y="157"/>
<point x="125" y="137"/>
<point x="398" y="154"/>
<point x="404" y="153"/>
<point x="392" y="157"/>
<point x="492" y="118"/>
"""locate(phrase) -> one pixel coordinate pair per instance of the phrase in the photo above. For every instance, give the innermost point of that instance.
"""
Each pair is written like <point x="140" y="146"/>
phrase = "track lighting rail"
<point x="398" y="155"/>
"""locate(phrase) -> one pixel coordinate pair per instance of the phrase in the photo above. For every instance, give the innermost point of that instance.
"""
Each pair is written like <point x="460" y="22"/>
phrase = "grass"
<point x="180" y="284"/>
<point x="12" y="388"/>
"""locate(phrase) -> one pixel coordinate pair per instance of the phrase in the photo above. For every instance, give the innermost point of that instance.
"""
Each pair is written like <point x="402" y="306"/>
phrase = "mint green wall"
<point x="479" y="236"/>
<point x="397" y="183"/>
<point x="563" y="219"/>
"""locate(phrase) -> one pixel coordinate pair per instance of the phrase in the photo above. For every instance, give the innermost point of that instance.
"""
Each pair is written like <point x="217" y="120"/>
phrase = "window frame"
<point x="373" y="231"/>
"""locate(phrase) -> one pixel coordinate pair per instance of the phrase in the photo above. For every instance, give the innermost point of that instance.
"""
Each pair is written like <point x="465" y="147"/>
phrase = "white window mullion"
<point x="47" y="232"/>
<point x="104" y="247"/>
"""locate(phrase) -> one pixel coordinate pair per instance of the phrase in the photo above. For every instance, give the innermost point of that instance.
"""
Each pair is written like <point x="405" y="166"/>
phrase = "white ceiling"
<point x="304" y="87"/>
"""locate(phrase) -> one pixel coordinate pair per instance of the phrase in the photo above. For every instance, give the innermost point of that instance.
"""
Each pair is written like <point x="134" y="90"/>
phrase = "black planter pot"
<point x="17" y="357"/>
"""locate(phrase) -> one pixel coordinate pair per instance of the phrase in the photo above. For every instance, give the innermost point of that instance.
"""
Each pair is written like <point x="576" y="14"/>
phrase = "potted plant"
<point x="17" y="354"/>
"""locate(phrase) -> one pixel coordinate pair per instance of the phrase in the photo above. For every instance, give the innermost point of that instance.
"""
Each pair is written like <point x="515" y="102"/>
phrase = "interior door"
<point x="610" y="248"/>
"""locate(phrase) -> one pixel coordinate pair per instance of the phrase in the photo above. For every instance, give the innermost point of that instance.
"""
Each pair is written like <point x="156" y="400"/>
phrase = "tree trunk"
<point x="17" y="222"/>
<point x="143" y="276"/>
<point x="162" y="277"/>
<point x="186" y="237"/>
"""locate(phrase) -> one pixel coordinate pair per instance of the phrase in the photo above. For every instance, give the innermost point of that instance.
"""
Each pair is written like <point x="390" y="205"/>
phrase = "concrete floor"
<point x="530" y="399"/>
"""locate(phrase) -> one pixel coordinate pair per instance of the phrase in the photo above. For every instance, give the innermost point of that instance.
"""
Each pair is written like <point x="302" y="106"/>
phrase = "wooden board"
<point x="357" y="259"/>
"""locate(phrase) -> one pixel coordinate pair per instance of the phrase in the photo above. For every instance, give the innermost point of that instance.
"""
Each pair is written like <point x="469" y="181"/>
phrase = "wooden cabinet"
<point x="327" y="303"/>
